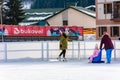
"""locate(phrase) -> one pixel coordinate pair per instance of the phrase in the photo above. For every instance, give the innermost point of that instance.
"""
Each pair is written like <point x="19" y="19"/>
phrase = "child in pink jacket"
<point x="95" y="53"/>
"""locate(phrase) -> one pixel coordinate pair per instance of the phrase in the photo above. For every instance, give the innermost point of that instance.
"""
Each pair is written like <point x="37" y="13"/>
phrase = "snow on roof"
<point x="89" y="13"/>
<point x="36" y="13"/>
<point x="27" y="23"/>
<point x="86" y="11"/>
<point x="90" y="6"/>
<point x="38" y="18"/>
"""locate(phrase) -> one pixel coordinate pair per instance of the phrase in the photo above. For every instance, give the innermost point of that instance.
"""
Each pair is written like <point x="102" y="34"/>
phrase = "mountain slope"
<point x="38" y="4"/>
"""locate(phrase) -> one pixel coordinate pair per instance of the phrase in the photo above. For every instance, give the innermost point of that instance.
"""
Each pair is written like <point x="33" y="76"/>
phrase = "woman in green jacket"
<point x="63" y="46"/>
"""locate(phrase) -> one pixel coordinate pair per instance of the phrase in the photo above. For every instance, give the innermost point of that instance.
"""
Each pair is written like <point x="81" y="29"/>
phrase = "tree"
<point x="2" y="10"/>
<point x="14" y="12"/>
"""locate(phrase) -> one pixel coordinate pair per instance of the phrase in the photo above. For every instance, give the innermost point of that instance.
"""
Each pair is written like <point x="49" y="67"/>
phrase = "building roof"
<point x="91" y="7"/>
<point x="34" y="16"/>
<point x="86" y="11"/>
<point x="80" y="9"/>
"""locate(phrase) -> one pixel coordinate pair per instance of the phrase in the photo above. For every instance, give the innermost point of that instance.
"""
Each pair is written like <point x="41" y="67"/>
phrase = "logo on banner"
<point x="27" y="31"/>
<point x="16" y="31"/>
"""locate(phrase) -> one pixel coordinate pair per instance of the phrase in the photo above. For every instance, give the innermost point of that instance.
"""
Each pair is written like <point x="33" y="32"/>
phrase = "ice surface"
<point x="55" y="70"/>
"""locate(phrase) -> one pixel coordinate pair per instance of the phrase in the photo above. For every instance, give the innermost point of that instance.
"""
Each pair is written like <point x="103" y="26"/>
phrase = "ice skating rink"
<point x="55" y="70"/>
<point x="30" y="69"/>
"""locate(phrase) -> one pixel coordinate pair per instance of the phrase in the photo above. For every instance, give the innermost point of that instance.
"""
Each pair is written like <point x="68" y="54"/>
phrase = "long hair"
<point x="64" y="35"/>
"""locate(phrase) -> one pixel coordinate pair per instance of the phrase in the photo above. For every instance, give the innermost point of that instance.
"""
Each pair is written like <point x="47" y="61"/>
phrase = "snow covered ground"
<point x="55" y="70"/>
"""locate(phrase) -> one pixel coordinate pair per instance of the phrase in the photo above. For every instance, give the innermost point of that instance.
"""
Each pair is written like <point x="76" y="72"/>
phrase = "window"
<point x="107" y="8"/>
<point x="116" y="13"/>
<point x="101" y="30"/>
<point x="65" y="22"/>
<point x="114" y="31"/>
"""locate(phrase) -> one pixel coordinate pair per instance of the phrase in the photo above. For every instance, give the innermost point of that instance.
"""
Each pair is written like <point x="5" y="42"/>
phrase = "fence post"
<point x="42" y="51"/>
<point x="114" y="50"/>
<point x="47" y="51"/>
<point x="78" y="50"/>
<point x="72" y="50"/>
<point x="84" y="49"/>
<point x="5" y="51"/>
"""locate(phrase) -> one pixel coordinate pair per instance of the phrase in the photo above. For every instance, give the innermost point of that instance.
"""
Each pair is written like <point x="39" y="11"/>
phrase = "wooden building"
<point x="108" y="18"/>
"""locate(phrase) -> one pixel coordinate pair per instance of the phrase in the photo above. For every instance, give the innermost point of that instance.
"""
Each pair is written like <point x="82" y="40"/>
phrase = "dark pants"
<point x="63" y="52"/>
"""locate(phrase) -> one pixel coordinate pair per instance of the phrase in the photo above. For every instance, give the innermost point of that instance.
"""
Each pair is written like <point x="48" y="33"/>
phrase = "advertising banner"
<point x="16" y="30"/>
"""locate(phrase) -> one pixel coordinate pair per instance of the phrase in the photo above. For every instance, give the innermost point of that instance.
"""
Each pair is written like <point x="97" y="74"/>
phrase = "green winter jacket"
<point x="63" y="43"/>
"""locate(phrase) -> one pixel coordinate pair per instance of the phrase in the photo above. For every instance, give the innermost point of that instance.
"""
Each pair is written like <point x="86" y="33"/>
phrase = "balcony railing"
<point x="116" y="17"/>
<point x="116" y="11"/>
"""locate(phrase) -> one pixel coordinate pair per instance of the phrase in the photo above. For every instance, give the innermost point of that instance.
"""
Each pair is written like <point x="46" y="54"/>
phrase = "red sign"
<point x="16" y="30"/>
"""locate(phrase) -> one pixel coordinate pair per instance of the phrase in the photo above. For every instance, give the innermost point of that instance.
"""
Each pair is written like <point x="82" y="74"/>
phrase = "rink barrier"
<point x="47" y="50"/>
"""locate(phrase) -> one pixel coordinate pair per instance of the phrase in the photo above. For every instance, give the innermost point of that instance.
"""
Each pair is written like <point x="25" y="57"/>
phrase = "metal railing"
<point x="46" y="50"/>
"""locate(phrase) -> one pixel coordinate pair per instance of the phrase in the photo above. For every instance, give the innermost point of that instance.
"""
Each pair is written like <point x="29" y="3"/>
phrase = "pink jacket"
<point x="95" y="53"/>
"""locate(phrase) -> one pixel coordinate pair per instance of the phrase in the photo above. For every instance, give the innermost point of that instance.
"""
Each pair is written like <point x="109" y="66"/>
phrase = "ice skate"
<point x="64" y="60"/>
<point x="59" y="58"/>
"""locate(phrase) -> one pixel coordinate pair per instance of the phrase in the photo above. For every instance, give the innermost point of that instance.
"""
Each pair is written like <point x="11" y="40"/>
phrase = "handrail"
<point x="46" y="50"/>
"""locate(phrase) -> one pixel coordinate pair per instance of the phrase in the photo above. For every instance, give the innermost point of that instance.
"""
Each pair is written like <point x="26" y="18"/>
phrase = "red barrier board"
<point x="16" y="30"/>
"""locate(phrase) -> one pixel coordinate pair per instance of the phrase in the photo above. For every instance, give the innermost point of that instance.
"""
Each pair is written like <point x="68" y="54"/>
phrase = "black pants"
<point x="63" y="52"/>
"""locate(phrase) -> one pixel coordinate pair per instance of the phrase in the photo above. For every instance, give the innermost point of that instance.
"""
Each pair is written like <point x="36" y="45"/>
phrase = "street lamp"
<point x="1" y="20"/>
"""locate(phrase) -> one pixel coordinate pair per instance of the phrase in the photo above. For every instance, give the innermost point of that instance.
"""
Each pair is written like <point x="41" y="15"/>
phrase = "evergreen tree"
<point x="2" y="11"/>
<point x="14" y="12"/>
